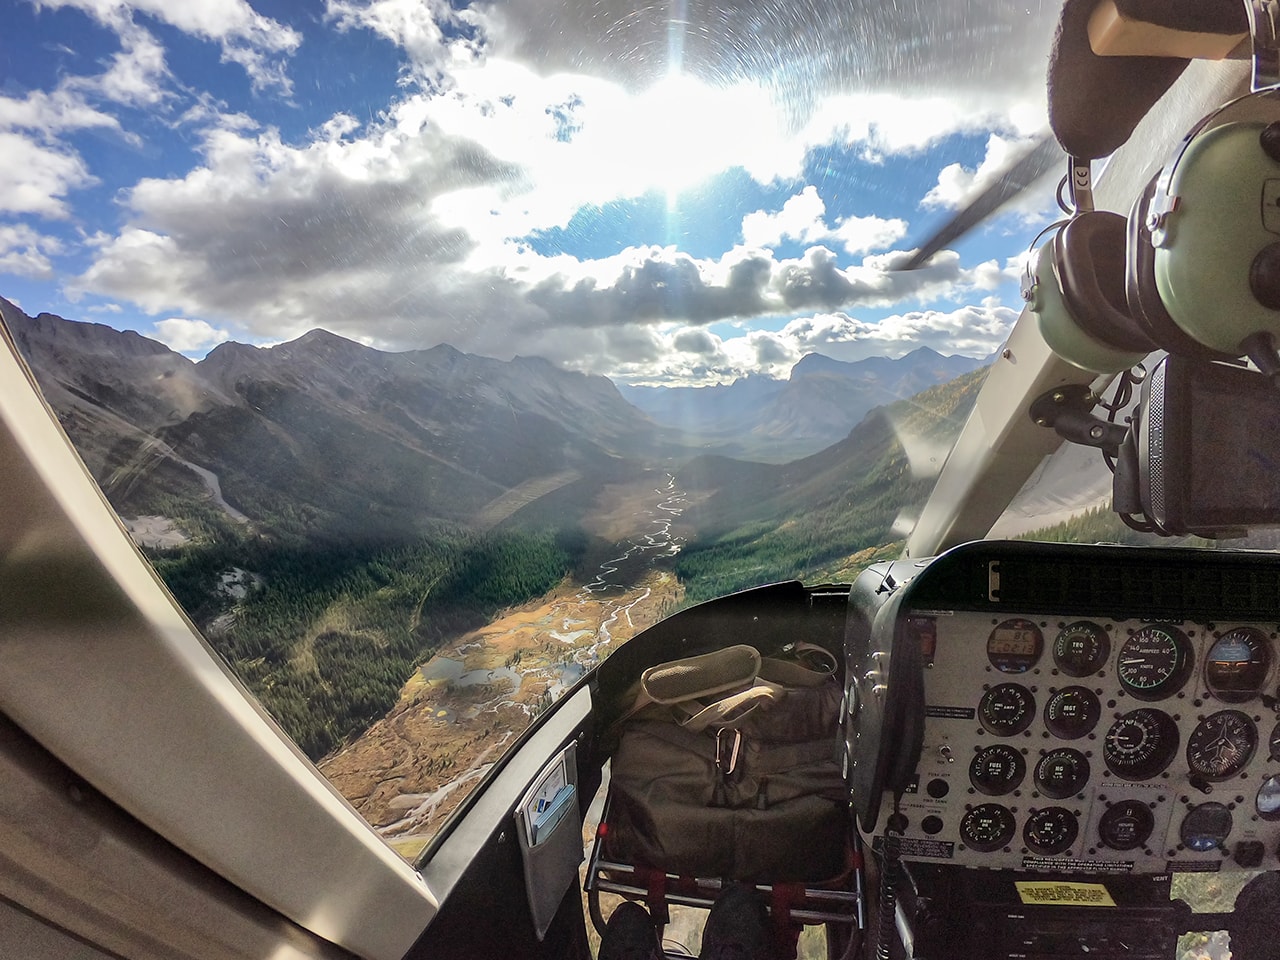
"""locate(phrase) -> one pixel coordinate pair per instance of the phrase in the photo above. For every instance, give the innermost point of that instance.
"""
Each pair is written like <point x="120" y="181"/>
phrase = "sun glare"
<point x="683" y="130"/>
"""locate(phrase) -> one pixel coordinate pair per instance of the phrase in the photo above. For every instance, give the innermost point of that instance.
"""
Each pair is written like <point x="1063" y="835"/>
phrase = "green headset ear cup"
<point x="1143" y="298"/>
<point x="1089" y="253"/>
<point x="1226" y="187"/>
<point x="1060" y="329"/>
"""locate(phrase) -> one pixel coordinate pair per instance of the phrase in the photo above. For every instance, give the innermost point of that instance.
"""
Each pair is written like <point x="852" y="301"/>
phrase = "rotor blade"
<point x="1034" y="164"/>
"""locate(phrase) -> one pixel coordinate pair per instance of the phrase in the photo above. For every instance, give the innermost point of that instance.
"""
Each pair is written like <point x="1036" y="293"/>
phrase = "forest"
<point x="326" y="634"/>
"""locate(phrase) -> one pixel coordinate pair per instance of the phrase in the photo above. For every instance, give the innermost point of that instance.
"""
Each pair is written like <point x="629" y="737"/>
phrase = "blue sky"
<point x="661" y="195"/>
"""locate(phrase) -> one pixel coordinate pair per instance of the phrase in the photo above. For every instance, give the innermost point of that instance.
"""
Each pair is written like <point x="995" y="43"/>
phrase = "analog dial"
<point x="1154" y="662"/>
<point x="1221" y="745"/>
<point x="1206" y="827"/>
<point x="1126" y="825"/>
<point x="1237" y="665"/>
<point x="1072" y="712"/>
<point x="1050" y="831"/>
<point x="1274" y="743"/>
<point x="1141" y="744"/>
<point x="1014" y="646"/>
<point x="997" y="769"/>
<point x="1081" y="649"/>
<point x="1062" y="773"/>
<point x="1007" y="709"/>
<point x="987" y="827"/>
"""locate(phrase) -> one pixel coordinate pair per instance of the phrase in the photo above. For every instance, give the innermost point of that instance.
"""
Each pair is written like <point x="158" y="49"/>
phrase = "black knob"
<point x="938" y="788"/>
<point x="1264" y="276"/>
<point x="1270" y="141"/>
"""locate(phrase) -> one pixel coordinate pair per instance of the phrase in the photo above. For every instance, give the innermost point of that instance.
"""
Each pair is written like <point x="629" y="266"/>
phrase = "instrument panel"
<point x="1090" y="742"/>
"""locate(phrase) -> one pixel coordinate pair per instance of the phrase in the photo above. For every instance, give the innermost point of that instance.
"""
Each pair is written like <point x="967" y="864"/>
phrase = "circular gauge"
<point x="1062" y="773"/>
<point x="1274" y="744"/>
<point x="1221" y="745"/>
<point x="1072" y="712"/>
<point x="987" y="827"/>
<point x="1007" y="709"/>
<point x="1126" y="825"/>
<point x="1237" y="665"/>
<point x="1141" y="744"/>
<point x="1050" y="831"/>
<point x="1081" y="649"/>
<point x="1154" y="662"/>
<point x="1206" y="827"/>
<point x="1014" y="646"/>
<point x="1268" y="799"/>
<point x="997" y="769"/>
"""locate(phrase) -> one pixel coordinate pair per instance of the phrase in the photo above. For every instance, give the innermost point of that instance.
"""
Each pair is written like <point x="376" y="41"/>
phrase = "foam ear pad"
<point x="1089" y="253"/>
<point x="1141" y="294"/>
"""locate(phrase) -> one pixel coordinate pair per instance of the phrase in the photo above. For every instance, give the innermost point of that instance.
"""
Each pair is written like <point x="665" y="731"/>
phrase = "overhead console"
<point x="1095" y="710"/>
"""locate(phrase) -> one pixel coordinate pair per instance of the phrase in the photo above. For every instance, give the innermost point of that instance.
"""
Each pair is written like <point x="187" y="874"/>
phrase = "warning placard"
<point x="1055" y="894"/>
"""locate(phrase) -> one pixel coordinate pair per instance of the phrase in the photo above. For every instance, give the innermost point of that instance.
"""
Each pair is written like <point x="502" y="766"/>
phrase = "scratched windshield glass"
<point x="430" y="351"/>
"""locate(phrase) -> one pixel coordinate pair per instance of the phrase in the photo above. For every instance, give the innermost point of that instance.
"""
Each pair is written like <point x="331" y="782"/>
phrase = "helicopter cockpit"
<point x="981" y="747"/>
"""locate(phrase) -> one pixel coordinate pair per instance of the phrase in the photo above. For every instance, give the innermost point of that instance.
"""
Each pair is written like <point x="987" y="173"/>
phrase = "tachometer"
<point x="1154" y="662"/>
<point x="1237" y="665"/>
<point x="1081" y="649"/>
<point x="1221" y="745"/>
<point x="1141" y="744"/>
<point x="1014" y="646"/>
<point x="1007" y="709"/>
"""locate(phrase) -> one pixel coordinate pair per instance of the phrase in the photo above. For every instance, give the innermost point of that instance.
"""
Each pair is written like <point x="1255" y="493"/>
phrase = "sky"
<point x="672" y="192"/>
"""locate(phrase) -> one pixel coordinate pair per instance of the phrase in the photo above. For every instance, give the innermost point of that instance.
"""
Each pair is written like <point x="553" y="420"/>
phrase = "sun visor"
<point x="1096" y="101"/>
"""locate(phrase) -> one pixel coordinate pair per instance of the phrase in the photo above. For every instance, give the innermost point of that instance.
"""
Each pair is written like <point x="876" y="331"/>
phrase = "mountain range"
<point x="322" y="434"/>
<point x="326" y="436"/>
<point x="820" y="402"/>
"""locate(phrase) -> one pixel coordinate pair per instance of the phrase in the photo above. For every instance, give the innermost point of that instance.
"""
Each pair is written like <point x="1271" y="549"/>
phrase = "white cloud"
<point x="23" y="251"/>
<point x="52" y="113"/>
<point x="957" y="186"/>
<point x="415" y="25"/>
<point x="802" y="219"/>
<point x="188" y="336"/>
<point x="137" y="73"/>
<point x="36" y="176"/>
<point x="246" y="37"/>
<point x="974" y="331"/>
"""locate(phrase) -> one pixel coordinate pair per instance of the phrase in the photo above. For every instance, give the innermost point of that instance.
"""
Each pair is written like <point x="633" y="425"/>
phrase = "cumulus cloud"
<point x="974" y="331"/>
<point x="136" y="75"/>
<point x="188" y="336"/>
<point x="39" y="170"/>
<point x="24" y="251"/>
<point x="36" y="176"/>
<point x="257" y="43"/>
<point x="417" y="26"/>
<point x="802" y="219"/>
<point x="957" y="186"/>
<point x="411" y="228"/>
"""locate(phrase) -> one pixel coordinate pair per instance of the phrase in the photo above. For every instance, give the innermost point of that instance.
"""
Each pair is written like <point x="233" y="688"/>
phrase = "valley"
<point x="479" y="692"/>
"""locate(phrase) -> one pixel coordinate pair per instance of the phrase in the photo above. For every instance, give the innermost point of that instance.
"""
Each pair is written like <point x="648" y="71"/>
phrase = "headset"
<point x="1195" y="267"/>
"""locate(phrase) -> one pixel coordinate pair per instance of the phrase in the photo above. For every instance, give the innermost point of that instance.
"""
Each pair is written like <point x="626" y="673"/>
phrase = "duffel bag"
<point x="743" y="782"/>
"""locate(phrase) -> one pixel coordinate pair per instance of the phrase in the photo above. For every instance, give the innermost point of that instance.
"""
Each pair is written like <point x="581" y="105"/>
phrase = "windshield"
<point x="431" y="351"/>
